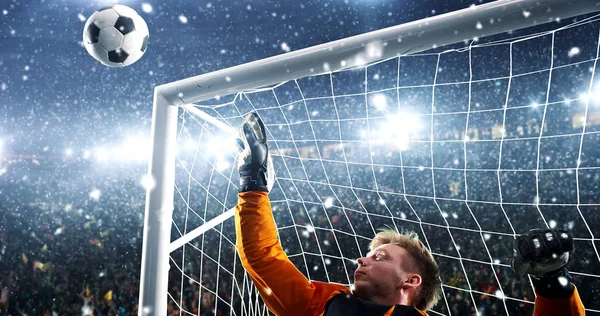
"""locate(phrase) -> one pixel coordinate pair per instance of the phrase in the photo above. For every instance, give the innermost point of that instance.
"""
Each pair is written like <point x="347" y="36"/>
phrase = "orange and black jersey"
<point x="286" y="291"/>
<point x="350" y="305"/>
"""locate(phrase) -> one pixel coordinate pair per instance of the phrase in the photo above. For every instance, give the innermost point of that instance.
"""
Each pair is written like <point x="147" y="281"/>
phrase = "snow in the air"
<point x="147" y="182"/>
<point x="574" y="51"/>
<point x="95" y="194"/>
<point x="147" y="7"/>
<point x="328" y="202"/>
<point x="499" y="294"/>
<point x="379" y="101"/>
<point x="503" y="140"/>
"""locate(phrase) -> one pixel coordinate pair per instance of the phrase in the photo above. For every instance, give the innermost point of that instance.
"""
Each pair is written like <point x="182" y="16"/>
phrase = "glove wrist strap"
<point x="253" y="180"/>
<point x="556" y="284"/>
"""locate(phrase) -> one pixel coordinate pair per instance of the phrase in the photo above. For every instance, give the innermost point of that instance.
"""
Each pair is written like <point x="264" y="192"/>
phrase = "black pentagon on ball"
<point x="145" y="43"/>
<point x="124" y="25"/>
<point x="117" y="56"/>
<point x="93" y="32"/>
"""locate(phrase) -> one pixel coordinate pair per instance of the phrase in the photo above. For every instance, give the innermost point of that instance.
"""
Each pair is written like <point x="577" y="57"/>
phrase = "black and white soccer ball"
<point x="117" y="36"/>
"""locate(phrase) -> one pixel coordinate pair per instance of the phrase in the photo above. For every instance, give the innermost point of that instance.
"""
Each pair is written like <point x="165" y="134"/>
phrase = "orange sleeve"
<point x="284" y="289"/>
<point x="571" y="306"/>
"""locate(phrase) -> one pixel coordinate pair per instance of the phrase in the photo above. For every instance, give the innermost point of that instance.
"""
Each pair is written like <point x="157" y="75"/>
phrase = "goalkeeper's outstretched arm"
<point x="543" y="254"/>
<point x="284" y="289"/>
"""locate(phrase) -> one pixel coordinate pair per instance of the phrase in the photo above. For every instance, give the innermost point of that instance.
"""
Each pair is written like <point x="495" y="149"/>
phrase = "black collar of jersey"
<point x="350" y="305"/>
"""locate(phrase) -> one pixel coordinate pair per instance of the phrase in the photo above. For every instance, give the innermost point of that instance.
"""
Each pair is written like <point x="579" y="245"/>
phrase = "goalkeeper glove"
<point x="543" y="254"/>
<point x="252" y="160"/>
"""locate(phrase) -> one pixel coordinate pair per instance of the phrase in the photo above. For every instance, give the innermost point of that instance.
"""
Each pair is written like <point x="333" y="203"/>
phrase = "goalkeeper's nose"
<point x="361" y="262"/>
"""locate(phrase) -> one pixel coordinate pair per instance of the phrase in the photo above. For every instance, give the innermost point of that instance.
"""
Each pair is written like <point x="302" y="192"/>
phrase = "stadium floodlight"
<point x="465" y="154"/>
<point x="397" y="129"/>
<point x="101" y="154"/>
<point x="133" y="149"/>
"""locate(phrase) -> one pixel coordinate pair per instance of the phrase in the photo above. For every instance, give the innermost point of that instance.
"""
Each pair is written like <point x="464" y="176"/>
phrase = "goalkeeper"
<point x="397" y="277"/>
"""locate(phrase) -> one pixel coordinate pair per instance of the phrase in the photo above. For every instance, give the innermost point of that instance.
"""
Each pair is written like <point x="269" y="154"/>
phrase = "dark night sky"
<point x="55" y="96"/>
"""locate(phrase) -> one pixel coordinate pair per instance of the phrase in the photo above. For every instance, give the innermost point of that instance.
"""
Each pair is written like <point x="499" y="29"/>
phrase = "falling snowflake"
<point x="574" y="51"/>
<point x="95" y="194"/>
<point x="146" y="7"/>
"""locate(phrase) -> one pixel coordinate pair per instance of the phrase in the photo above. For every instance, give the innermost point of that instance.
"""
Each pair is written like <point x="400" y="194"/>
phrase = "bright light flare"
<point x="584" y="97"/>
<point x="397" y="130"/>
<point x="101" y="155"/>
<point x="222" y="164"/>
<point x="133" y="149"/>
<point x="593" y="97"/>
<point x="379" y="101"/>
<point x="222" y="146"/>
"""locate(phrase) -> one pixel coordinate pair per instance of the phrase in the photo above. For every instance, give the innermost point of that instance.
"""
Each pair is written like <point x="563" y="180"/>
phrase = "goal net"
<point x="467" y="144"/>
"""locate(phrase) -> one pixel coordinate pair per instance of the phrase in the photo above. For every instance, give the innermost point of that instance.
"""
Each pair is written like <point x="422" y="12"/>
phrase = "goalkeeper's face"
<point x="382" y="274"/>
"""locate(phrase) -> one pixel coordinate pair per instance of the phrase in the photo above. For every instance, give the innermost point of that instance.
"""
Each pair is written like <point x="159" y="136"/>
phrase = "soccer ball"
<point x="116" y="36"/>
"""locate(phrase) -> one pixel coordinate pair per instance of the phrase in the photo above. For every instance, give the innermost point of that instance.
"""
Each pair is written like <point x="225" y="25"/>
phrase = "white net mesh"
<point x="466" y="147"/>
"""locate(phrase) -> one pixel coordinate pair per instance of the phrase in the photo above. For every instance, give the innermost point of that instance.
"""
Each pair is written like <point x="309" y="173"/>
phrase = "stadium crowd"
<point x="64" y="250"/>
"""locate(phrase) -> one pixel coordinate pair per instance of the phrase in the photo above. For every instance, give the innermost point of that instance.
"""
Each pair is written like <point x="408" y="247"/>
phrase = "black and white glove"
<point x="543" y="254"/>
<point x="253" y="159"/>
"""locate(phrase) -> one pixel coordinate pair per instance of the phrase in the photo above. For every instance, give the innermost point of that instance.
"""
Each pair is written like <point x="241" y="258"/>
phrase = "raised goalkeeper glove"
<point x="252" y="160"/>
<point x="543" y="254"/>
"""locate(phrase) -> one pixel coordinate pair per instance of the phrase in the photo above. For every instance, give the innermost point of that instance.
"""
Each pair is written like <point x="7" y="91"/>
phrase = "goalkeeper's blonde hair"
<point x="422" y="264"/>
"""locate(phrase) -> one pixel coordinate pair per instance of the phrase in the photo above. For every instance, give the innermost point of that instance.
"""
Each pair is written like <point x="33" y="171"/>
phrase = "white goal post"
<point x="451" y="28"/>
